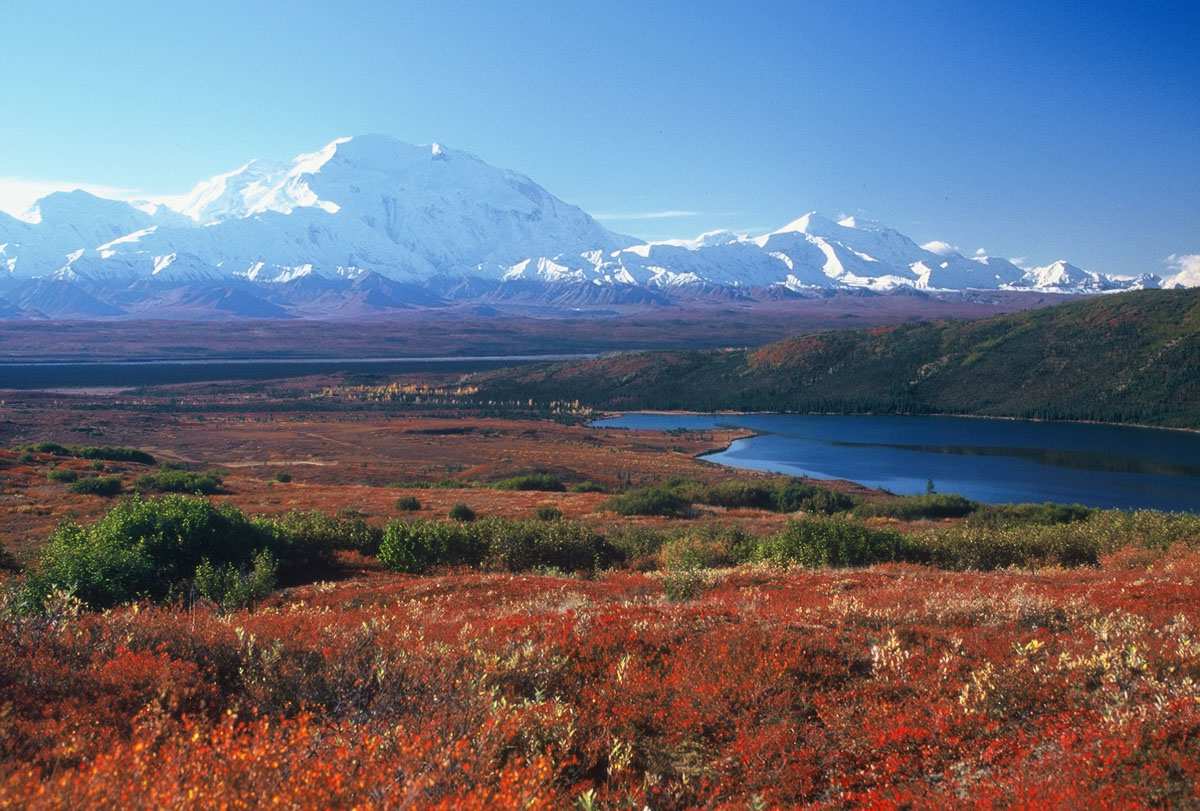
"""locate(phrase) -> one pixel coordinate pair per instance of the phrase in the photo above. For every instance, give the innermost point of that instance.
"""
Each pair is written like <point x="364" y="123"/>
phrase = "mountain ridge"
<point x="415" y="214"/>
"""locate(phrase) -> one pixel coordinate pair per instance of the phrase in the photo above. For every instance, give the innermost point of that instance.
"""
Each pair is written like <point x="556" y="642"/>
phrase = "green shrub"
<point x="408" y="504"/>
<point x="143" y="548"/>
<point x="518" y="546"/>
<point x="112" y="454"/>
<point x="417" y="546"/>
<point x="695" y="552"/>
<point x="283" y="477"/>
<point x="106" y="486"/>
<point x="650" y="501"/>
<point x="26" y="458"/>
<point x="178" y="481"/>
<point x="635" y="542"/>
<point x="62" y="474"/>
<point x="531" y="481"/>
<point x="683" y="585"/>
<point x="1006" y="515"/>
<point x="49" y="447"/>
<point x="736" y="493"/>
<point x="232" y="587"/>
<point x="817" y="542"/>
<point x="461" y="512"/>
<point x="825" y="502"/>
<point x="548" y="512"/>
<point x="588" y="487"/>
<point x="306" y="540"/>
<point x="984" y="548"/>
<point x="909" y="508"/>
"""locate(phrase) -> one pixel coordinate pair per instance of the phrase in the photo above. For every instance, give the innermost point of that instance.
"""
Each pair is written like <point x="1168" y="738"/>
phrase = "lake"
<point x="990" y="460"/>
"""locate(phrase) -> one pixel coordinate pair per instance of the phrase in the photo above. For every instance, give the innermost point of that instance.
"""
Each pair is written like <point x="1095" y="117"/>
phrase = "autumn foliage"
<point x="891" y="686"/>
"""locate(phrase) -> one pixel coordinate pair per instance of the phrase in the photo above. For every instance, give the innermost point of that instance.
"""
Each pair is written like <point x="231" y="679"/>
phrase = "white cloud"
<point x="669" y="214"/>
<point x="17" y="194"/>
<point x="1183" y="270"/>
<point x="941" y="248"/>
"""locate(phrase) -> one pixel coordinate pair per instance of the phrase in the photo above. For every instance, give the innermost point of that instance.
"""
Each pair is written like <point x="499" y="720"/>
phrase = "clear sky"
<point x="1046" y="131"/>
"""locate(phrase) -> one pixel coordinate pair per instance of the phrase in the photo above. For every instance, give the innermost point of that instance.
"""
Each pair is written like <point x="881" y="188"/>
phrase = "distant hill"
<point x="1129" y="357"/>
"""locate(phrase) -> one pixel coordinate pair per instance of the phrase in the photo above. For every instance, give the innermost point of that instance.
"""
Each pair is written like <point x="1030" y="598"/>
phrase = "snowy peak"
<point x="372" y="206"/>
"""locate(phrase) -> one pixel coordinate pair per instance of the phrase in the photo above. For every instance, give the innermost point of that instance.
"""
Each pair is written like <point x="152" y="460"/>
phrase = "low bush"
<point x="911" y="508"/>
<point x="62" y="474"/>
<point x="548" y="512"/>
<point x="568" y="546"/>
<point x="111" y="454"/>
<point x="817" y="542"/>
<point x="104" y="452"/>
<point x="306" y="540"/>
<point x="178" y="481"/>
<point x="588" y="487"/>
<point x="1005" y="515"/>
<point x="650" y="501"/>
<point x="106" y="486"/>
<point x="462" y="512"/>
<point x="636" y="543"/>
<point x="683" y="585"/>
<point x="495" y="544"/>
<point x="416" y="546"/>
<point x="408" y="504"/>
<point x="232" y="587"/>
<point x="531" y="481"/>
<point x="283" y="477"/>
<point x="143" y="548"/>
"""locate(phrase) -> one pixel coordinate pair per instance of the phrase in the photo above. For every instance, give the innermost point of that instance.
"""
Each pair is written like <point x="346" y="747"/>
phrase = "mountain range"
<point x="371" y="224"/>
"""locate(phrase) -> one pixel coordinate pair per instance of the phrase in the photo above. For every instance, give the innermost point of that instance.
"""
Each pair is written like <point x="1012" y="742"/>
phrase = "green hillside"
<point x="1132" y="357"/>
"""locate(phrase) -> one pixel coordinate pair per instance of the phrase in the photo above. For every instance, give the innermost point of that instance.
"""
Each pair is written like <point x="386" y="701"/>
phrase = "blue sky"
<point x="1041" y="131"/>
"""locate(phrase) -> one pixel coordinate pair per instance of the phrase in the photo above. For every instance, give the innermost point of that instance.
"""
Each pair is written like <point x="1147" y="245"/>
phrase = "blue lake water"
<point x="995" y="461"/>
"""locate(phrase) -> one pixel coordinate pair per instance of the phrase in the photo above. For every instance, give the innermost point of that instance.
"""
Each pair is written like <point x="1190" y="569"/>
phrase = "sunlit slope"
<point x="1130" y="357"/>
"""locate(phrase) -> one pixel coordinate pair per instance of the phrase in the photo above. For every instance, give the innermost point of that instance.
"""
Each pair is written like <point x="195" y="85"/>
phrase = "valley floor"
<point x="757" y="686"/>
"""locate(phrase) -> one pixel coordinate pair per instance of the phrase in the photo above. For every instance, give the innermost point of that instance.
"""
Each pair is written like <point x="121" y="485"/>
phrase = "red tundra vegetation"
<point x="891" y="686"/>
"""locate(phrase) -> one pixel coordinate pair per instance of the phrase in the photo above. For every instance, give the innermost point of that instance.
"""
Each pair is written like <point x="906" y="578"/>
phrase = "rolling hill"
<point x="1130" y="357"/>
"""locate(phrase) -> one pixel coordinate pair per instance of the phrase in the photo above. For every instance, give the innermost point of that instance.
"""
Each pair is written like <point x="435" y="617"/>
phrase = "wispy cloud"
<point x="668" y="214"/>
<point x="18" y="194"/>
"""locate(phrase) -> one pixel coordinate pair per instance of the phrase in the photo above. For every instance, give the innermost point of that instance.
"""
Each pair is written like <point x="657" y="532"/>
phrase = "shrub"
<point x="408" y="504"/>
<point x="682" y="585"/>
<point x="816" y="542"/>
<point x="650" y="501"/>
<point x="735" y="493"/>
<point x="568" y="546"/>
<point x="531" y="481"/>
<point x="49" y="447"/>
<point x="548" y="512"/>
<point x="232" y="587"/>
<point x="283" y="477"/>
<point x="178" y="481"/>
<point x="26" y="458"/>
<point x="461" y="512"/>
<point x="635" y="542"/>
<point x="1005" y="515"/>
<point x="62" y="474"/>
<point x="588" y="487"/>
<point x="306" y="540"/>
<point x="695" y="552"/>
<point x="143" y="548"/>
<point x="106" y="486"/>
<point x="909" y="508"/>
<point x="965" y="547"/>
<point x="112" y="454"/>
<point x="417" y="546"/>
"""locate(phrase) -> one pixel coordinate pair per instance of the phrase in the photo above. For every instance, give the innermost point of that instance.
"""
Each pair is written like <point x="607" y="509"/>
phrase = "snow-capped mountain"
<point x="415" y="214"/>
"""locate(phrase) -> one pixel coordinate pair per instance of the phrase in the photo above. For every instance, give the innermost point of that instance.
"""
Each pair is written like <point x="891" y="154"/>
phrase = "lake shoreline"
<point x="609" y="414"/>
